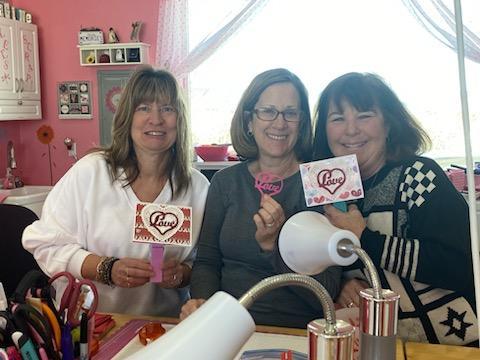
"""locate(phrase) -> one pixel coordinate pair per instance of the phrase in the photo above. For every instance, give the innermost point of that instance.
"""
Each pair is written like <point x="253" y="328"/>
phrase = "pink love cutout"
<point x="268" y="183"/>
<point x="163" y="221"/>
<point x="331" y="180"/>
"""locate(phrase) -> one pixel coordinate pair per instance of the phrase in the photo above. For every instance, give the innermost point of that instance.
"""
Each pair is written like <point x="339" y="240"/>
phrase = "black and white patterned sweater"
<point x="419" y="240"/>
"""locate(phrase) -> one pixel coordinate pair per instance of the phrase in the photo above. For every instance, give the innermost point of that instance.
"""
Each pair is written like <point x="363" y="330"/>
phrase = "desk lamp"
<point x="221" y="326"/>
<point x="309" y="243"/>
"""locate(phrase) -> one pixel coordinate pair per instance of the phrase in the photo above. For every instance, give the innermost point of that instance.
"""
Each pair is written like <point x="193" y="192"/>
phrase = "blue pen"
<point x="25" y="345"/>
<point x="67" y="343"/>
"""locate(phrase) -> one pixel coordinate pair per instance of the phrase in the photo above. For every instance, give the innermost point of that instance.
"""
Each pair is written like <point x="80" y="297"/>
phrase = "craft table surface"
<point x="268" y="335"/>
<point x="420" y="351"/>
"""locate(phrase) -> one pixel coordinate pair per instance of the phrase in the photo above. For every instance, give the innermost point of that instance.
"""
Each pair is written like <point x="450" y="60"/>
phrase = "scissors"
<point x="80" y="296"/>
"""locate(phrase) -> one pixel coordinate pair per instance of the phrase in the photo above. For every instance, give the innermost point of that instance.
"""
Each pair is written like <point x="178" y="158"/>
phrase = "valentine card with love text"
<point x="163" y="224"/>
<point x="331" y="180"/>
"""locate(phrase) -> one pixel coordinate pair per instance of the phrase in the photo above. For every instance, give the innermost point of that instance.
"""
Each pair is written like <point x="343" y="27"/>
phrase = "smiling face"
<point x="154" y="128"/>
<point x="277" y="138"/>
<point x="363" y="133"/>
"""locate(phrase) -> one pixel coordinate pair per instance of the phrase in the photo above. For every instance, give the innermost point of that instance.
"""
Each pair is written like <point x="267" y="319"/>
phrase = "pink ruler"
<point x="119" y="339"/>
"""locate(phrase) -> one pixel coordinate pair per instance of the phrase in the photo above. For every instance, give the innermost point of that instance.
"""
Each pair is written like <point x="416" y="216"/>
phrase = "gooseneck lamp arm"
<point x="349" y="247"/>
<point x="274" y="282"/>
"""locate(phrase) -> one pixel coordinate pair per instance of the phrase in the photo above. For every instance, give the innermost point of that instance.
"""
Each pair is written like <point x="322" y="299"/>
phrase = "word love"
<point x="163" y="221"/>
<point x="268" y="183"/>
<point x="331" y="180"/>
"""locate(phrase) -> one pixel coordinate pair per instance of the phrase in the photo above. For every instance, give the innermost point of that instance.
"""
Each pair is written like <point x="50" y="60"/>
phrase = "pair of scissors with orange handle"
<point x="76" y="294"/>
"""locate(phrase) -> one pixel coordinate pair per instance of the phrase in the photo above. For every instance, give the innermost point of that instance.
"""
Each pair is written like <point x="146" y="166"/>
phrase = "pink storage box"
<point x="458" y="178"/>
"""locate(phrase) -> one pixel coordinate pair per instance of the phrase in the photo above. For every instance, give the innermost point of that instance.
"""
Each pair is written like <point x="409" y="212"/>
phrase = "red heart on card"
<point x="344" y="195"/>
<point x="331" y="180"/>
<point x="357" y="192"/>
<point x="319" y="199"/>
<point x="162" y="221"/>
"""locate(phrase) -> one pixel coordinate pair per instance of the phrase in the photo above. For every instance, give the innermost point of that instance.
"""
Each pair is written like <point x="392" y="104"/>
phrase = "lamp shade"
<point x="215" y="331"/>
<point x="308" y="243"/>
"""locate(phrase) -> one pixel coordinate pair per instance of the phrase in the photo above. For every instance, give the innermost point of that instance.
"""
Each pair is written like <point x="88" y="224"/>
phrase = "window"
<point x="320" y="40"/>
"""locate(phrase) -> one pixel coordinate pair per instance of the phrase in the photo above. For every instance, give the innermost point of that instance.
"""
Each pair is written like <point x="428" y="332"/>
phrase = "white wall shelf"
<point x="113" y="54"/>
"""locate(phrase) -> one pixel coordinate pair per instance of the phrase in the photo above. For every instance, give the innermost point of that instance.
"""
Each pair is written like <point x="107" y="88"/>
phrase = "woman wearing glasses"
<point x="87" y="222"/>
<point x="248" y="203"/>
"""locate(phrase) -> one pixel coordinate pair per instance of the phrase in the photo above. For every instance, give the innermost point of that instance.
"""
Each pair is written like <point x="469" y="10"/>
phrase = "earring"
<point x="249" y="131"/>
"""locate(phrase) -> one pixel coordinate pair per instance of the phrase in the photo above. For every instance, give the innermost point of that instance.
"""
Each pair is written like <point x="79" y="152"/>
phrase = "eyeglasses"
<point x="271" y="114"/>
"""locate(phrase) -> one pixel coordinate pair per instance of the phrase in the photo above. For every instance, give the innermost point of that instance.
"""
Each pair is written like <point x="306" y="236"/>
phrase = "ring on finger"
<point x="270" y="225"/>
<point x="350" y="304"/>
<point x="174" y="277"/>
<point x="128" y="281"/>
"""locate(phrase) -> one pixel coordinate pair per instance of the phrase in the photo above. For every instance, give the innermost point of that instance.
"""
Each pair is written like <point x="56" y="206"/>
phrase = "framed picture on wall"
<point x="74" y="100"/>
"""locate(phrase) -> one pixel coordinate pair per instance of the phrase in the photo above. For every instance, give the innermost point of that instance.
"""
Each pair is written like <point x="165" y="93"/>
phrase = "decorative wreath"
<point x="112" y="98"/>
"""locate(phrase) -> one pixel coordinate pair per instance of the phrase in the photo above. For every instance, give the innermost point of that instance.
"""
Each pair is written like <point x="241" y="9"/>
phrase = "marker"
<point x="3" y="299"/>
<point x="25" y="345"/>
<point x="13" y="353"/>
<point x="3" y="354"/>
<point x="43" y="353"/>
<point x="84" y="337"/>
<point x="67" y="344"/>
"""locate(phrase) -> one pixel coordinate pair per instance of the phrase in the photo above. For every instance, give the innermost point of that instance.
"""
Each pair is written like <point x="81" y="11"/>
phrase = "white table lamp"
<point x="309" y="243"/>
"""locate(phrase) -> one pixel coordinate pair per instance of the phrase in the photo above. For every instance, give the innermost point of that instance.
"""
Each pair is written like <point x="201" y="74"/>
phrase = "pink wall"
<point x="58" y="25"/>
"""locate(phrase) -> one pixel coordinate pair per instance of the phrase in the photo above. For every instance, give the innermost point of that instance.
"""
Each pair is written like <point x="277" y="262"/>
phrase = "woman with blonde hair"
<point x="87" y="223"/>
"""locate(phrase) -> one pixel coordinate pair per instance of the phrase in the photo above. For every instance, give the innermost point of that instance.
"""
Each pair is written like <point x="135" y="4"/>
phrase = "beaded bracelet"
<point x="104" y="270"/>
<point x="99" y="265"/>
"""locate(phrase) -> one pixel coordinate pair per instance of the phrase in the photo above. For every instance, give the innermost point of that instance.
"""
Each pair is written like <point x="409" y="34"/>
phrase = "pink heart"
<point x="344" y="195"/>
<point x="163" y="221"/>
<point x="331" y="180"/>
<point x="268" y="183"/>
<point x="319" y="199"/>
<point x="357" y="192"/>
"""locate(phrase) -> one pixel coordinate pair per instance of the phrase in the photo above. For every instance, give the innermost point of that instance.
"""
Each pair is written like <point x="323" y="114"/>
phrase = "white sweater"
<point x="85" y="213"/>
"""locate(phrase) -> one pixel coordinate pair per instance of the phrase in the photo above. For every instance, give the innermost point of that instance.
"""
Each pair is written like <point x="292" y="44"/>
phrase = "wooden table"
<point x="420" y="351"/>
<point x="122" y="319"/>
